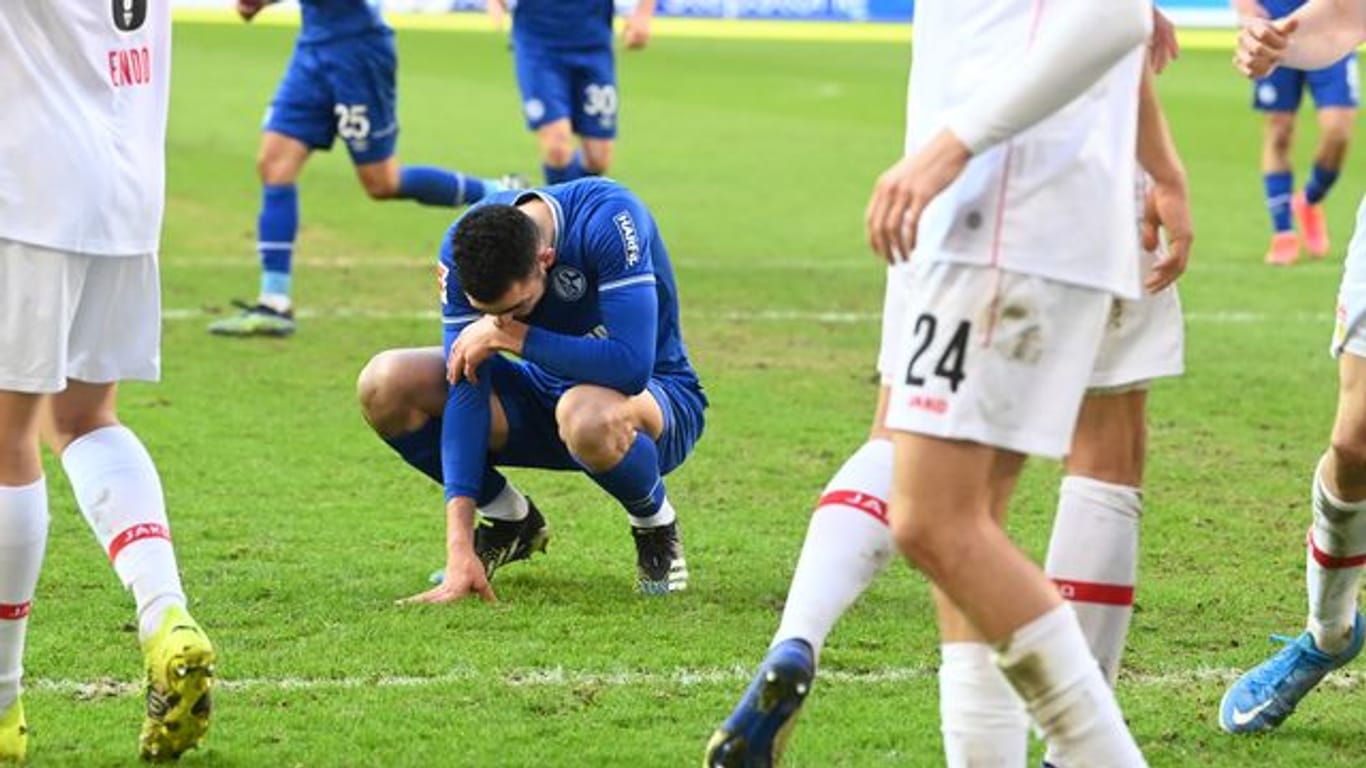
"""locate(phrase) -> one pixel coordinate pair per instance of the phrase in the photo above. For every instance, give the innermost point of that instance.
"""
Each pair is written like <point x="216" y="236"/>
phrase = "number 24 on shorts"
<point x="951" y="360"/>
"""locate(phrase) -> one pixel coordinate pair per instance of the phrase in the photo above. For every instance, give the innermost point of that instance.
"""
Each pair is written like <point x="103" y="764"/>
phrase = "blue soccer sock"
<point x="574" y="170"/>
<point x="1279" y="187"/>
<point x="421" y="448"/>
<point x="1320" y="181"/>
<point x="636" y="483"/>
<point x="276" y="227"/>
<point x="438" y="186"/>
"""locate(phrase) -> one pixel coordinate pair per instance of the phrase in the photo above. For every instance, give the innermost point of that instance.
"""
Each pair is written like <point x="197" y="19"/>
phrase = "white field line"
<point x="1215" y="317"/>
<point x="676" y="678"/>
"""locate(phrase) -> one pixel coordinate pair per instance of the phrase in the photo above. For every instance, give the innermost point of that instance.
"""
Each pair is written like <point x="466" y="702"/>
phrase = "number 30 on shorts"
<point x="951" y="361"/>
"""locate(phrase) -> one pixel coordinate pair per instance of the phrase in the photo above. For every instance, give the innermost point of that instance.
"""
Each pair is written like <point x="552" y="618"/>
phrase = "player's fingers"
<point x="892" y="224"/>
<point x="872" y="221"/>
<point x="1286" y="26"/>
<point x="485" y="590"/>
<point x="910" y="223"/>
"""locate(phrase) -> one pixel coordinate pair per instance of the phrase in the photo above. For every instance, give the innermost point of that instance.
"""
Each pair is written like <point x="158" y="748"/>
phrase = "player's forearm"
<point x="1156" y="149"/>
<point x="460" y="524"/>
<point x="465" y="437"/>
<point x="616" y="363"/>
<point x="1328" y="30"/>
<point x="1070" y="54"/>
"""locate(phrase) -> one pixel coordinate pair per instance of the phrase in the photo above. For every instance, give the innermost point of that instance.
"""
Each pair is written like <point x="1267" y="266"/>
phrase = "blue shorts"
<point x="529" y="396"/>
<point x="579" y="85"/>
<point x="340" y="88"/>
<point x="1333" y="86"/>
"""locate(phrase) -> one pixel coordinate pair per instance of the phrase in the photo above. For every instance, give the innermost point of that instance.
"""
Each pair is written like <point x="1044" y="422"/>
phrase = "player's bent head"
<point x="495" y="249"/>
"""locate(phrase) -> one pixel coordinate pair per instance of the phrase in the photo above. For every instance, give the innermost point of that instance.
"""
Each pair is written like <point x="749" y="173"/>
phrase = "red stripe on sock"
<point x="1089" y="592"/>
<point x="863" y="502"/>
<point x="10" y="612"/>
<point x="135" y="534"/>
<point x="1326" y="560"/>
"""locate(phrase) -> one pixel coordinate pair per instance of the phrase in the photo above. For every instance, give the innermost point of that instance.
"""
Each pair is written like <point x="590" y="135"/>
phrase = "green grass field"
<point x="297" y="529"/>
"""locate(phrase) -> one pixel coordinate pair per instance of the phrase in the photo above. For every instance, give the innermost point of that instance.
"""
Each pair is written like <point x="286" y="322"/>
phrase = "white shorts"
<point x="994" y="357"/>
<point x="1144" y="340"/>
<point x="1349" y="335"/>
<point x="74" y="316"/>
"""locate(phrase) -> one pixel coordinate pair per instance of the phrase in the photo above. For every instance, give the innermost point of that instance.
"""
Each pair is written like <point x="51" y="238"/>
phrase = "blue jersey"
<point x="326" y="20"/>
<point x="608" y="256"/>
<point x="1277" y="9"/>
<point x="562" y="24"/>
<point x="608" y="317"/>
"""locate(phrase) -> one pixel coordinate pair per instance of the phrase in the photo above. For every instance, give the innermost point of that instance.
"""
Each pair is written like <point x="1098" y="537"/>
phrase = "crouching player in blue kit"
<point x="340" y="82"/>
<point x="573" y="280"/>
<point x="566" y="71"/>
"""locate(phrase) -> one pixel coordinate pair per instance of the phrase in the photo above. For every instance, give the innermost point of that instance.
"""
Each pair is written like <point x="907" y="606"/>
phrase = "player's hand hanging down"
<point x="636" y="34"/>
<point x="1262" y="45"/>
<point x="903" y="191"/>
<point x="1167" y="211"/>
<point x="1163" y="47"/>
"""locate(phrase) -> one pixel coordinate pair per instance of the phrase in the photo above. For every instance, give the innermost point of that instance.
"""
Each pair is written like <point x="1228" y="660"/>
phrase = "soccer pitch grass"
<point x="297" y="529"/>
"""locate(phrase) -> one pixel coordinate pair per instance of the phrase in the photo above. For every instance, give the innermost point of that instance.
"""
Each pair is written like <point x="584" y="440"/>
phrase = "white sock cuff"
<point x="1322" y="496"/>
<point x="103" y="450"/>
<point x="863" y="482"/>
<point x="1050" y="646"/>
<point x="663" y="516"/>
<point x="510" y="504"/>
<point x="23" y="514"/>
<point x="964" y="654"/>
<point x="1123" y="500"/>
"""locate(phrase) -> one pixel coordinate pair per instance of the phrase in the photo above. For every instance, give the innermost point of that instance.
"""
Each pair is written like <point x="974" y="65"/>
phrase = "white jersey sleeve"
<point x="82" y="161"/>
<point x="1064" y="59"/>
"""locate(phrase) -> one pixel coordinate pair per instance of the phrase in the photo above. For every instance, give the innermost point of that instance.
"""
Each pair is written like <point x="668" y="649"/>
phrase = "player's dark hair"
<point x="493" y="247"/>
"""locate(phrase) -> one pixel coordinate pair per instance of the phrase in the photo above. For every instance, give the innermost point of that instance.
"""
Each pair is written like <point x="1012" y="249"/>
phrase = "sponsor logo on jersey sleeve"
<point x="129" y="15"/>
<point x="630" y="237"/>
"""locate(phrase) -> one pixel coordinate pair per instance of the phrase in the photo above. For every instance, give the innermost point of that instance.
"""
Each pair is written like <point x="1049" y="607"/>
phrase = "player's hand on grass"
<point x="903" y="191"/>
<point x="1262" y="45"/>
<point x="1163" y="47"/>
<point x="1167" y="211"/>
<point x="637" y="31"/>
<point x="248" y="9"/>
<point x="464" y="577"/>
<point x="478" y="342"/>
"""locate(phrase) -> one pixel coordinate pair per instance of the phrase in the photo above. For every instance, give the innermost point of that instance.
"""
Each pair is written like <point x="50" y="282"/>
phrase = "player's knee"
<point x="598" y="437"/>
<point x="558" y="154"/>
<point x="274" y="169"/>
<point x="380" y="187"/>
<point x="597" y="158"/>
<point x="932" y="549"/>
<point x="1280" y="138"/>
<point x="1349" y="447"/>
<point x="379" y="391"/>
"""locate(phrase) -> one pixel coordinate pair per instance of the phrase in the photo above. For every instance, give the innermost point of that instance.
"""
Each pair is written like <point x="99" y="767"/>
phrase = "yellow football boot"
<point x="13" y="734"/>
<point x="180" y="661"/>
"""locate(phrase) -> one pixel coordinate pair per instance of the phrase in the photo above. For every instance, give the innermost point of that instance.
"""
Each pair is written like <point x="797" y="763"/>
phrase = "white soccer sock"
<point x="1336" y="554"/>
<point x="983" y="720"/>
<point x="1049" y="665"/>
<point x="508" y="505"/>
<point x="119" y="493"/>
<point x="1093" y="558"/>
<point x="23" y="536"/>
<point x="664" y="516"/>
<point x="847" y="545"/>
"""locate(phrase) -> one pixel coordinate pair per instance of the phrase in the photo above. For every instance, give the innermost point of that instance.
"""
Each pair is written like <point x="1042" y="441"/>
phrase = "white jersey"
<point x="1055" y="201"/>
<point x="85" y="84"/>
